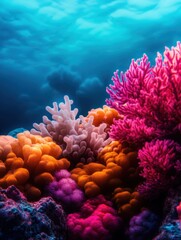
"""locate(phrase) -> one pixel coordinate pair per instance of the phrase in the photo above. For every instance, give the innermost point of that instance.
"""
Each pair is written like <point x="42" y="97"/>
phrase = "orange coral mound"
<point x="29" y="163"/>
<point x="117" y="167"/>
<point x="128" y="202"/>
<point x="125" y="156"/>
<point x="104" y="115"/>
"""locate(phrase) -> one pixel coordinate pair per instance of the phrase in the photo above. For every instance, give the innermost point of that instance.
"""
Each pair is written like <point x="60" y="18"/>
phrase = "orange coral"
<point x="123" y="155"/>
<point x="96" y="178"/>
<point x="127" y="201"/>
<point x="104" y="115"/>
<point x="117" y="167"/>
<point x="29" y="163"/>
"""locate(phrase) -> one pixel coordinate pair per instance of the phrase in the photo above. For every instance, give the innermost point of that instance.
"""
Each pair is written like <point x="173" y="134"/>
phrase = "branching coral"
<point x="30" y="163"/>
<point x="149" y="98"/>
<point x="157" y="161"/>
<point x="22" y="220"/>
<point x="96" y="220"/>
<point x="65" y="191"/>
<point x="80" y="139"/>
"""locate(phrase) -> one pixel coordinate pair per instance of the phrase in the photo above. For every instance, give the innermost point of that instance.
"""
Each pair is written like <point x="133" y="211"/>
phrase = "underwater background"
<point x="52" y="48"/>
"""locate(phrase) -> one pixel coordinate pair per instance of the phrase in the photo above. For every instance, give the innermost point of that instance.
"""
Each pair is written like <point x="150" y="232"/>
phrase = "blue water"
<point x="51" y="48"/>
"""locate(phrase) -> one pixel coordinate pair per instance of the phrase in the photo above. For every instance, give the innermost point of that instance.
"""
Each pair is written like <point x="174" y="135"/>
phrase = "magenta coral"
<point x="157" y="161"/>
<point x="65" y="191"/>
<point x="97" y="220"/>
<point x="148" y="97"/>
<point x="78" y="137"/>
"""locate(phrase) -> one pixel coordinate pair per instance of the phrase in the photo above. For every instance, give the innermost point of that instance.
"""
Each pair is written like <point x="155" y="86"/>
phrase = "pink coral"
<point x="78" y="137"/>
<point x="65" y="190"/>
<point x="97" y="220"/>
<point x="148" y="97"/>
<point x="157" y="161"/>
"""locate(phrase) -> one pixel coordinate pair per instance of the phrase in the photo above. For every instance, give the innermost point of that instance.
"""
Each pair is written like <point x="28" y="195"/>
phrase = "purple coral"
<point x="65" y="190"/>
<point x="158" y="163"/>
<point x="20" y="219"/>
<point x="96" y="220"/>
<point x="79" y="138"/>
<point x="149" y="98"/>
<point x="143" y="226"/>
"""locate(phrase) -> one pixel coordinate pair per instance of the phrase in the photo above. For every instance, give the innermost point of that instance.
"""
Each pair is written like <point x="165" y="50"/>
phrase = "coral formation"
<point x="29" y="163"/>
<point x="127" y="201"/>
<point x="22" y="220"/>
<point x="96" y="219"/>
<point x="125" y="156"/>
<point x="65" y="191"/>
<point x="149" y="98"/>
<point x="104" y="115"/>
<point x="143" y="226"/>
<point x="79" y="139"/>
<point x="158" y="163"/>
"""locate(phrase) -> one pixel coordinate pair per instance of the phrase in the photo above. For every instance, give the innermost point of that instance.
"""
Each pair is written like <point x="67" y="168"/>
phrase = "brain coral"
<point x="149" y="98"/>
<point x="22" y="220"/>
<point x="29" y="162"/>
<point x="96" y="220"/>
<point x="80" y="139"/>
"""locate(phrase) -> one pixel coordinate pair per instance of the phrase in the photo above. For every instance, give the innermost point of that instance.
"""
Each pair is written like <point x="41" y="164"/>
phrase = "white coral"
<point x="79" y="138"/>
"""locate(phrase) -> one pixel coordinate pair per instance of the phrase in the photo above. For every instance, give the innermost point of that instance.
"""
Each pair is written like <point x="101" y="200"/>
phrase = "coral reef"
<point x="65" y="191"/>
<point x="79" y="139"/>
<point x="111" y="171"/>
<point x="22" y="220"/>
<point x="95" y="220"/>
<point x="29" y="162"/>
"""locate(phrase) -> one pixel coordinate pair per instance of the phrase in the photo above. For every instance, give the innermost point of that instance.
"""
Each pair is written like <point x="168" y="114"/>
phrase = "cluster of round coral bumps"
<point x="105" y="176"/>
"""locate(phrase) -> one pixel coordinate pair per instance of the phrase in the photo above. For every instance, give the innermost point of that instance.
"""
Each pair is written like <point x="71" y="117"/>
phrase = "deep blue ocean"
<point x="53" y="48"/>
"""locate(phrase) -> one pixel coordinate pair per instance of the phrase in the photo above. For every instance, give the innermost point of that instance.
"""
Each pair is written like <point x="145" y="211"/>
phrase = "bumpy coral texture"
<point x="96" y="220"/>
<point x="29" y="162"/>
<point x="158" y="161"/>
<point x="143" y="226"/>
<point x="128" y="202"/>
<point x="125" y="156"/>
<point x="65" y="191"/>
<point x="22" y="220"/>
<point x="149" y="98"/>
<point x="104" y="115"/>
<point x="116" y="167"/>
<point x="80" y="139"/>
